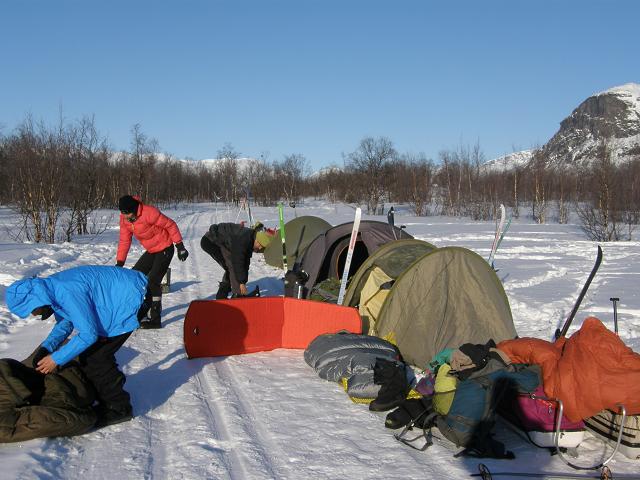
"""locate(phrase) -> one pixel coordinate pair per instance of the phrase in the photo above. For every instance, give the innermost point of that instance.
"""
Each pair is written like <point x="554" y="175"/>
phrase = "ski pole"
<point x="615" y="301"/>
<point x="561" y="333"/>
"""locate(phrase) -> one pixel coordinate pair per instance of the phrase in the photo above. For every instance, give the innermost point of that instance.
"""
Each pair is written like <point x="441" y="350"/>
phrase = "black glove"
<point x="119" y="263"/>
<point x="40" y="354"/>
<point x="182" y="252"/>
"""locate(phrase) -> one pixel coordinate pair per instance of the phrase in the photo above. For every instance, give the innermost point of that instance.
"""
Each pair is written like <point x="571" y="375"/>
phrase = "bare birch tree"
<point x="369" y="161"/>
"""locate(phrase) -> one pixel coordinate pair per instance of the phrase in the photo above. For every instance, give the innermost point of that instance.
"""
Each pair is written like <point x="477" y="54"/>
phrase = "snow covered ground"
<point x="268" y="415"/>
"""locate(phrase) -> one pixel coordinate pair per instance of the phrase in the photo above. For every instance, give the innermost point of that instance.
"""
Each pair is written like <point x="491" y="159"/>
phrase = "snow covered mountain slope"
<point x="612" y="117"/>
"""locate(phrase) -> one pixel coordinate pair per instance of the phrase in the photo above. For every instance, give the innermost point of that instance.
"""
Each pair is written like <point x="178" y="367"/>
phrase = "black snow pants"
<point x="98" y="362"/>
<point x="154" y="266"/>
<point x="222" y="256"/>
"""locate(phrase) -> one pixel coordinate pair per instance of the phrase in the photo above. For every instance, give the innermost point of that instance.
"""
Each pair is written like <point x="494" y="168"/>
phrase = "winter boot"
<point x="418" y="410"/>
<point x="224" y="289"/>
<point x="154" y="316"/>
<point x="398" y="418"/>
<point x="144" y="309"/>
<point x="253" y="293"/>
<point x="392" y="378"/>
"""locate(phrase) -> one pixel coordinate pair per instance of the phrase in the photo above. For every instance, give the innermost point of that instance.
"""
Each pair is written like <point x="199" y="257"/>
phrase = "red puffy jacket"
<point x="152" y="229"/>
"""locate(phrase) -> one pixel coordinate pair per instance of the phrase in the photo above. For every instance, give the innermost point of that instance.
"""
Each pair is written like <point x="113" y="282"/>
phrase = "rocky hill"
<point x="612" y="116"/>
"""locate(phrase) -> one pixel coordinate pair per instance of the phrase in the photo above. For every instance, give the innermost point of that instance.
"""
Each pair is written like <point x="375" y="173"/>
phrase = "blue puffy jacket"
<point x="98" y="301"/>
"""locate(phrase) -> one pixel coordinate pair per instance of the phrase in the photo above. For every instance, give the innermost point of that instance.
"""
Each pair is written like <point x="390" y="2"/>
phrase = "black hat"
<point x="128" y="204"/>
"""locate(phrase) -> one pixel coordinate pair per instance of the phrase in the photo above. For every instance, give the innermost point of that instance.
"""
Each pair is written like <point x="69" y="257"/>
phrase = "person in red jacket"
<point x="157" y="233"/>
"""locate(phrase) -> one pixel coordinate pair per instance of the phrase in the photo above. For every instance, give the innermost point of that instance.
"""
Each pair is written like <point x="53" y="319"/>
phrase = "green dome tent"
<point x="299" y="233"/>
<point x="370" y="285"/>
<point x="445" y="298"/>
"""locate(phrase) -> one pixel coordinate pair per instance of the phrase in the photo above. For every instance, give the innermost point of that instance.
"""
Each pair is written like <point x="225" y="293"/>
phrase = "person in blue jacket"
<point x="101" y="304"/>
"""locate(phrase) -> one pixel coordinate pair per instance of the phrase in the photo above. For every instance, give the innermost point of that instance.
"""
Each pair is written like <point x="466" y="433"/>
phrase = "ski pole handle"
<point x="615" y="301"/>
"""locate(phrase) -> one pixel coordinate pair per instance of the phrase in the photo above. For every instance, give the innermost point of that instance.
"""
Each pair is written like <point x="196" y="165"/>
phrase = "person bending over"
<point x="231" y="245"/>
<point x="101" y="304"/>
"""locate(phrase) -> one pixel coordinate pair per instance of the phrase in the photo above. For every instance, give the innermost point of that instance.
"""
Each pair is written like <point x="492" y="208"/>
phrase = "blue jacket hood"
<point x="95" y="301"/>
<point x="24" y="296"/>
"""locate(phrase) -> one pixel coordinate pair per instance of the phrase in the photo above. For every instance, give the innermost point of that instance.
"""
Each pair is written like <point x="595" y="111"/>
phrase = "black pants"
<point x="223" y="258"/>
<point x="98" y="362"/>
<point x="154" y="266"/>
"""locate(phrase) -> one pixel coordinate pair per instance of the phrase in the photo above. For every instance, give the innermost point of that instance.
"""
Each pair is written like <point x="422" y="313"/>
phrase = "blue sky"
<point x="276" y="77"/>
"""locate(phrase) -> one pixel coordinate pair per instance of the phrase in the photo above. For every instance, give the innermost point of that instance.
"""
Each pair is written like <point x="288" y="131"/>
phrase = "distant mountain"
<point x="209" y="163"/>
<point x="508" y="162"/>
<point x="325" y="171"/>
<point x="612" y="116"/>
<point x="213" y="163"/>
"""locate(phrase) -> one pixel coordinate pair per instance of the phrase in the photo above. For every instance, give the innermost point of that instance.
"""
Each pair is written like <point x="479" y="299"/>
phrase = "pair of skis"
<point x="347" y="263"/>
<point x="501" y="230"/>
<point x="282" y="236"/>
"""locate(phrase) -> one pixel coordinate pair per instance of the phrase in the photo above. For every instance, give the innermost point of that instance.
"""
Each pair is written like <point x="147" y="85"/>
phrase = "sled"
<point x="534" y="417"/>
<point x="247" y="325"/>
<point x="606" y="426"/>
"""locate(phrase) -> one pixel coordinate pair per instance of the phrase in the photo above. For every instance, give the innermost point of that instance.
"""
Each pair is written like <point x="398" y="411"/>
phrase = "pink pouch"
<point x="536" y="414"/>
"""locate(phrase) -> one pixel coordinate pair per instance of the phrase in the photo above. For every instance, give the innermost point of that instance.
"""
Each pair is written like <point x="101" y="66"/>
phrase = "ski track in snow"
<point x="268" y="415"/>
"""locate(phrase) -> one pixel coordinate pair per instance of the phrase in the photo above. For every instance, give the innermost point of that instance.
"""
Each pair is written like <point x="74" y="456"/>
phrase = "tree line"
<point x="57" y="177"/>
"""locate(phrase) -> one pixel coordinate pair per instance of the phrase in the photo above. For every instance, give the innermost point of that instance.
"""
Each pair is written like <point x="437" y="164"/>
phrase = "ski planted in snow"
<point x="561" y="333"/>
<point x="504" y="232"/>
<point x="247" y="191"/>
<point x="496" y="237"/>
<point x="282" y="236"/>
<point x="347" y="263"/>
<point x="392" y="221"/>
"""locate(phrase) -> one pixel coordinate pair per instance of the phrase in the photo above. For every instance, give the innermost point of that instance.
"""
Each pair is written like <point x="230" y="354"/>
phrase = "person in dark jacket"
<point x="101" y="305"/>
<point x="231" y="245"/>
<point x="157" y="233"/>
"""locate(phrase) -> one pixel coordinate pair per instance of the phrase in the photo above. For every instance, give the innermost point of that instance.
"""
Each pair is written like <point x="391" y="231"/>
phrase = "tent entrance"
<point x="372" y="297"/>
<point x="360" y="254"/>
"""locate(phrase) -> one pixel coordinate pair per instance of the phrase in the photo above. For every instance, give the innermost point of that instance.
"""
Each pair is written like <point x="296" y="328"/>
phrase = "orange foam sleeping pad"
<point x="246" y="325"/>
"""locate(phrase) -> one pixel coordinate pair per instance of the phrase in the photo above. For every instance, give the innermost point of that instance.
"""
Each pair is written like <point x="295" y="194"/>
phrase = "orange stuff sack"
<point x="590" y="371"/>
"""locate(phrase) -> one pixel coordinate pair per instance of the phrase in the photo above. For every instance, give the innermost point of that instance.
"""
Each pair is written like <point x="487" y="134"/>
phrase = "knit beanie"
<point x="263" y="238"/>
<point x="128" y="204"/>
